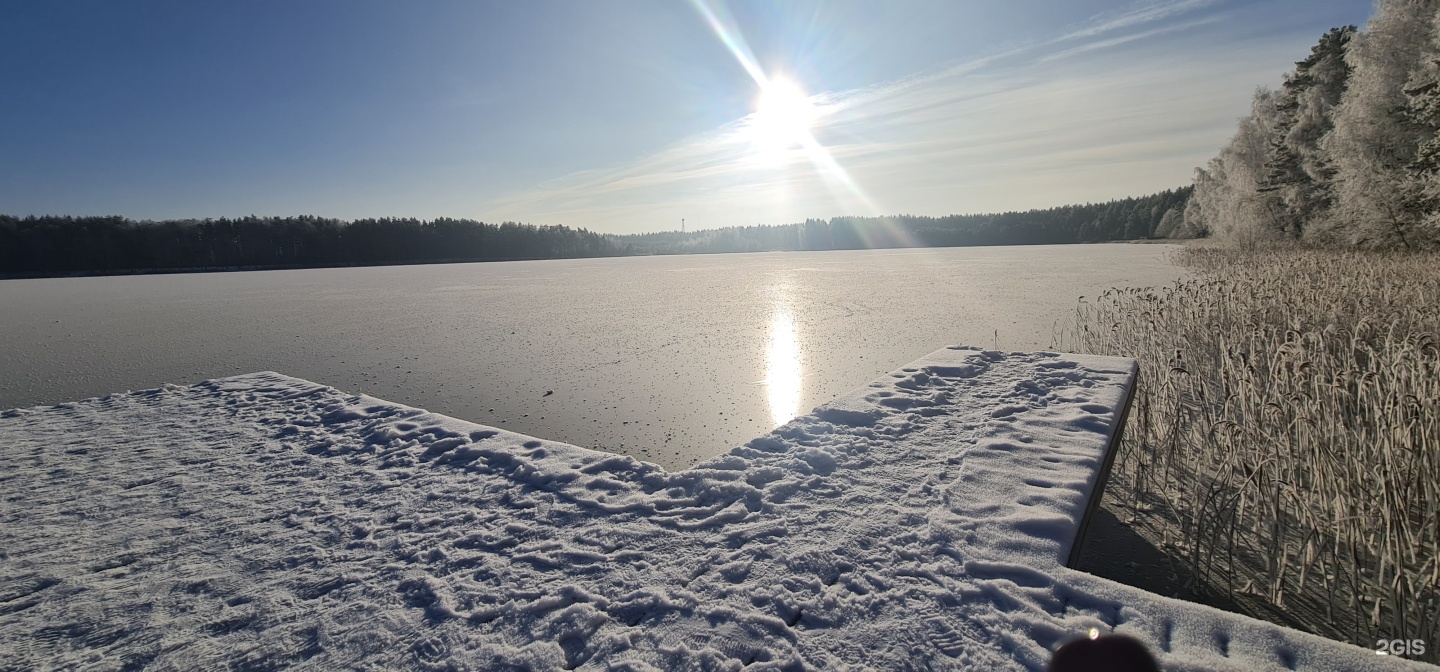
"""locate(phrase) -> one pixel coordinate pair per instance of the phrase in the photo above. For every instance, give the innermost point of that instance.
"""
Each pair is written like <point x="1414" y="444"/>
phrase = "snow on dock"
<point x="263" y="521"/>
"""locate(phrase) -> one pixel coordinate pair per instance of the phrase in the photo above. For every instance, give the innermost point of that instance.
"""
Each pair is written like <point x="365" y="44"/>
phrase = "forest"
<point x="54" y="245"/>
<point x="50" y="245"/>
<point x="1154" y="216"/>
<point x="1346" y="153"/>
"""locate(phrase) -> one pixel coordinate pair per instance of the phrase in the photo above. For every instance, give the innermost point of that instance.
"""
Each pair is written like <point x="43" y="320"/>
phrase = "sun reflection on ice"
<point x="782" y="368"/>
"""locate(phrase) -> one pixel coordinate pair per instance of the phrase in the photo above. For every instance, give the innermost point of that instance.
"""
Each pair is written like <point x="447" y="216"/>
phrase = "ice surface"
<point x="610" y="338"/>
<point x="261" y="520"/>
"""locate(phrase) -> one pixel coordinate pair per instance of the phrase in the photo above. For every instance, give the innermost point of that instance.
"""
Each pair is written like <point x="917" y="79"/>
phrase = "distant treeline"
<point x="39" y="246"/>
<point x="1155" y="216"/>
<point x="54" y="245"/>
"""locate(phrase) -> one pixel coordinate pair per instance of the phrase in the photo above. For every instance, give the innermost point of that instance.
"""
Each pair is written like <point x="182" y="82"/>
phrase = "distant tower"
<point x="682" y="225"/>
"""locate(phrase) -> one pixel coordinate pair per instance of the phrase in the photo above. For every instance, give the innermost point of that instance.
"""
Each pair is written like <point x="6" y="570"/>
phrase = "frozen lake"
<point x="670" y="359"/>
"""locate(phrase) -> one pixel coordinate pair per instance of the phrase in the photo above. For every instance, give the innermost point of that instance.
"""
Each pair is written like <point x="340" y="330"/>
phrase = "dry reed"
<point x="1285" y="444"/>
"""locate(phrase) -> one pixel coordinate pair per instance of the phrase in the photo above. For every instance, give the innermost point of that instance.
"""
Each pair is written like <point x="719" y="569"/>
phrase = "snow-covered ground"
<point x="263" y="521"/>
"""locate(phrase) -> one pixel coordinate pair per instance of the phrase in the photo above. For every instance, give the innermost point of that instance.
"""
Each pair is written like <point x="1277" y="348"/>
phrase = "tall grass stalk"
<point x="1286" y="441"/>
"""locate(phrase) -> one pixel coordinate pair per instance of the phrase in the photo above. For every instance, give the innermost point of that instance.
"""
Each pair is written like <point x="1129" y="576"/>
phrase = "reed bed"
<point x="1285" y="443"/>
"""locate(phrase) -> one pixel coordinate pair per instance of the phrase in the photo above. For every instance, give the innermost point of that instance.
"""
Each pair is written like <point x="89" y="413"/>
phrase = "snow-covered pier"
<point x="260" y="521"/>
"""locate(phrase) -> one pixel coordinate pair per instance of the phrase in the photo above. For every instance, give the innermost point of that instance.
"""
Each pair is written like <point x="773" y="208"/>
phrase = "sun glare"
<point x="782" y="117"/>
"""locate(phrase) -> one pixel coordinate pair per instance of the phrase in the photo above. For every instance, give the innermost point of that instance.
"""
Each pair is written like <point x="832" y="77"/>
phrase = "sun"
<point x="782" y="118"/>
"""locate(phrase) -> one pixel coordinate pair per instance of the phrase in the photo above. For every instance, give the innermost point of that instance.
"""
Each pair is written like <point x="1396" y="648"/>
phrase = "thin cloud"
<point x="1137" y="15"/>
<point x="1133" y="37"/>
<point x="1072" y="118"/>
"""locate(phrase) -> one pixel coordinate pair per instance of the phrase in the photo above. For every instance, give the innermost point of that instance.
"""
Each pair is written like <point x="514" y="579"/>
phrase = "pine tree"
<point x="1297" y="174"/>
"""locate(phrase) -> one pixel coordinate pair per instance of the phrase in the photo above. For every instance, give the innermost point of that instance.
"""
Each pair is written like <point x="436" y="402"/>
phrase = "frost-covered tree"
<point x="1298" y="175"/>
<point x="1170" y="224"/>
<point x="1422" y="193"/>
<point x="1227" y="201"/>
<point x="1376" y="137"/>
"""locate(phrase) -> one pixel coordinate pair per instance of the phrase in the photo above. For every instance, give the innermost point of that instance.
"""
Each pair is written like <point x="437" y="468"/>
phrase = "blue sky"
<point x="622" y="115"/>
